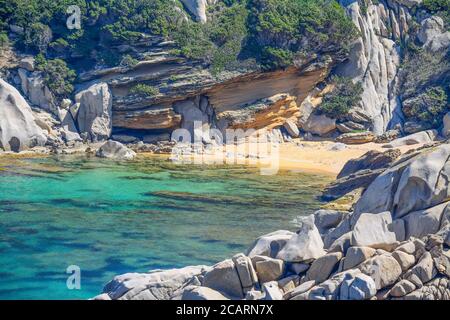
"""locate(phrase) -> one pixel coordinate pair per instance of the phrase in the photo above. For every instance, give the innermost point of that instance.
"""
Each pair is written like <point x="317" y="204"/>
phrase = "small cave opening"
<point x="14" y="144"/>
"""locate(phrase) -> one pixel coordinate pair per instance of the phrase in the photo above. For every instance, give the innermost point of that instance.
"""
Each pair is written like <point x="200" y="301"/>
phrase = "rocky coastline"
<point x="392" y="245"/>
<point x="383" y="96"/>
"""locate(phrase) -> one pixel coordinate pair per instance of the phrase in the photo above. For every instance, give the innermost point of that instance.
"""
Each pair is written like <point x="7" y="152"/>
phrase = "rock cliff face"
<point x="184" y="91"/>
<point x="375" y="58"/>
<point x="161" y="91"/>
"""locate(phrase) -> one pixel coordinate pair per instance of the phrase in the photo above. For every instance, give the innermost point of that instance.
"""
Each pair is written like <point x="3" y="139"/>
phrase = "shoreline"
<point x="320" y="157"/>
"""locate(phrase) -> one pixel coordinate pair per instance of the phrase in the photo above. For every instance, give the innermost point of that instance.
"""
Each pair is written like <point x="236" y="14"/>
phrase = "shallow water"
<point x="110" y="218"/>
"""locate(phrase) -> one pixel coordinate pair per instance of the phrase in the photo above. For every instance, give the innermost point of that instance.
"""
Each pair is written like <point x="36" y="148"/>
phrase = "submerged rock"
<point x="115" y="150"/>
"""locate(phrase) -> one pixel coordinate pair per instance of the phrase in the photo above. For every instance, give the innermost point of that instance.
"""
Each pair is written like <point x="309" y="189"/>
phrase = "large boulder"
<point x="373" y="230"/>
<point x="424" y="270"/>
<point x="270" y="244"/>
<point x="115" y="150"/>
<point x="383" y="269"/>
<point x="357" y="255"/>
<point x="224" y="278"/>
<point x="416" y="138"/>
<point x="319" y="124"/>
<point x="268" y="269"/>
<point x="202" y="293"/>
<point x="327" y="219"/>
<point x="70" y="132"/>
<point x="356" y="137"/>
<point x="416" y="183"/>
<point x="433" y="35"/>
<point x="292" y="129"/>
<point x="371" y="160"/>
<point x="95" y="112"/>
<point x="423" y="222"/>
<point x="197" y="8"/>
<point x="361" y="287"/>
<point x="18" y="128"/>
<point x="321" y="268"/>
<point x="157" y="285"/>
<point x="36" y="91"/>
<point x="306" y="245"/>
<point x="246" y="272"/>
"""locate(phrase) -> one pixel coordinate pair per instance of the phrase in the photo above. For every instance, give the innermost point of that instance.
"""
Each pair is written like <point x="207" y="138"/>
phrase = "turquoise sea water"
<point x="110" y="218"/>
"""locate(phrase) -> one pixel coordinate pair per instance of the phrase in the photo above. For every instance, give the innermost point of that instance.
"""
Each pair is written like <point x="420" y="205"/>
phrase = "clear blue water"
<point x="111" y="218"/>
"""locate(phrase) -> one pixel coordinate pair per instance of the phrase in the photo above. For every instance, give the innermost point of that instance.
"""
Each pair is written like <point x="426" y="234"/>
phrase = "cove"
<point x="111" y="218"/>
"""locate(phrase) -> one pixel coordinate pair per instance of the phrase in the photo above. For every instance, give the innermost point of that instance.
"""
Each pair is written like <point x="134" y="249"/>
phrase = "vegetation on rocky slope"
<point x="345" y="95"/>
<point x="271" y="32"/>
<point x="426" y="86"/>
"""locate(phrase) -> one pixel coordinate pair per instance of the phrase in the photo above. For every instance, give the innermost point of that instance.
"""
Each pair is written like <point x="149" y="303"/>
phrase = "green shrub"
<point x="144" y="90"/>
<point x="128" y="61"/>
<point x="344" y="96"/>
<point x="429" y="107"/>
<point x="57" y="76"/>
<point x="318" y="26"/>
<point x="439" y="7"/>
<point x="4" y="41"/>
<point x="271" y="32"/>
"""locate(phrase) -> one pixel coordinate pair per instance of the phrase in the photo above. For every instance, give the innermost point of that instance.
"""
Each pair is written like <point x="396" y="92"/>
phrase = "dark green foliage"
<point x="439" y="7"/>
<point x="273" y="32"/>
<point x="128" y="61"/>
<point x="4" y="41"/>
<point x="217" y="42"/>
<point x="144" y="90"/>
<point x="57" y="76"/>
<point x="430" y="106"/>
<point x="345" y="95"/>
<point x="281" y="29"/>
<point x="426" y="86"/>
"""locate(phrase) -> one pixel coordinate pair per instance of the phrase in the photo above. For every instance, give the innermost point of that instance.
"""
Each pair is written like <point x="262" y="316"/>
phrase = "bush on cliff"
<point x="342" y="98"/>
<point x="281" y="29"/>
<point x="144" y="90"/>
<point x="57" y="76"/>
<point x="425" y="89"/>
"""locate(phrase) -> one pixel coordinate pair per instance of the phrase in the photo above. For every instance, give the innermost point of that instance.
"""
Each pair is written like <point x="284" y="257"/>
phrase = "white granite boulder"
<point x="223" y="277"/>
<point x="202" y="293"/>
<point x="372" y="230"/>
<point x="115" y="150"/>
<point x="18" y="128"/>
<point x="383" y="269"/>
<point x="305" y="245"/>
<point x="270" y="244"/>
<point x="415" y="138"/>
<point x="94" y="116"/>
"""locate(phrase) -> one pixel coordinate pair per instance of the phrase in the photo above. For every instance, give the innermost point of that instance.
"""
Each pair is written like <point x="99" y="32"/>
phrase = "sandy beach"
<point x="306" y="156"/>
<point x="320" y="157"/>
